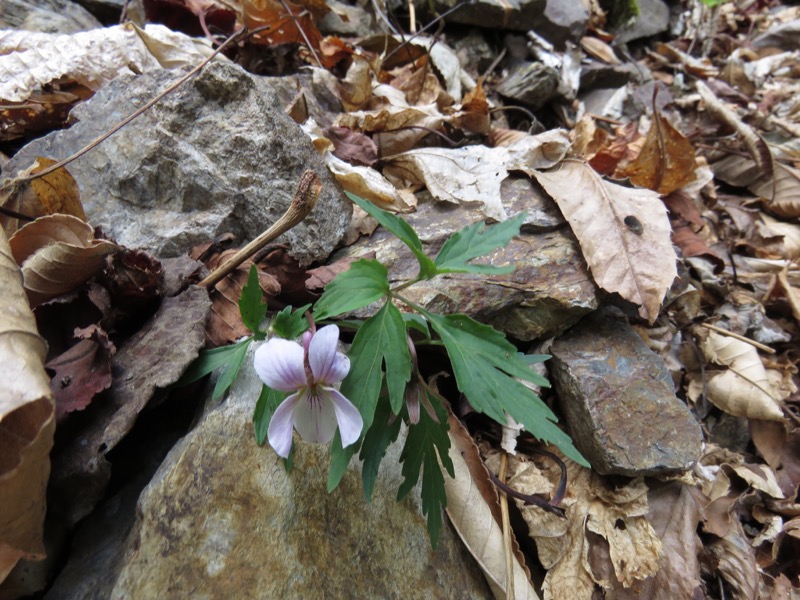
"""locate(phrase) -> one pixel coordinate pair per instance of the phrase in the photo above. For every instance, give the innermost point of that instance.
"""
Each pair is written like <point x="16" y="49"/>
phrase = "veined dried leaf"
<point x="27" y="422"/>
<point x="624" y="233"/>
<point x="744" y="389"/>
<point x="666" y="162"/>
<point x="58" y="253"/>
<point x="474" y="113"/>
<point x="474" y="511"/>
<point x="782" y="192"/>
<point x="473" y="175"/>
<point x="30" y="59"/>
<point x="600" y="50"/>
<point x="790" y="233"/>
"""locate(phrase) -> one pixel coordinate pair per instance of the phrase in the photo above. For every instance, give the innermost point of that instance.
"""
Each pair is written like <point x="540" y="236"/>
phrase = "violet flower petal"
<point x="279" y="364"/>
<point x="347" y="416"/>
<point x="281" y="425"/>
<point x="327" y="364"/>
<point x="314" y="416"/>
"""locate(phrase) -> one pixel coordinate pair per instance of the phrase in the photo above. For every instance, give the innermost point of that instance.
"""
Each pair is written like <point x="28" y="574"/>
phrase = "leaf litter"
<point x="630" y="186"/>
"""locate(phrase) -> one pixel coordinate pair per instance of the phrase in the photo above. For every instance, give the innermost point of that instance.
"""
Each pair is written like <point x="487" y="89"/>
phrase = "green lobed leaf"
<point x="266" y="404"/>
<point x="427" y="444"/>
<point x="251" y="307"/>
<point x="290" y="324"/>
<point x="474" y="241"/>
<point x="211" y="360"/>
<point x="404" y="232"/>
<point x="485" y="365"/>
<point x="228" y="375"/>
<point x="376" y="441"/>
<point x="362" y="284"/>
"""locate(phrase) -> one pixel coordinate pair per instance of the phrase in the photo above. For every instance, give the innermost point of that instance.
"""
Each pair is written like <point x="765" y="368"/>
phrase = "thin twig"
<point x="234" y="37"/>
<point x="741" y="338"/>
<point x="296" y="20"/>
<point x="305" y="198"/>
<point x="506" y="530"/>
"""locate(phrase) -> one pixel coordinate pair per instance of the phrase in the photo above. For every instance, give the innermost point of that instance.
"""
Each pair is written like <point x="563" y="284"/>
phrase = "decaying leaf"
<point x="666" y="162"/>
<point x="27" y="422"/>
<point x="743" y="390"/>
<point x="472" y="175"/>
<point x="58" y="254"/>
<point x="624" y="233"/>
<point x="571" y="549"/>
<point x="30" y="59"/>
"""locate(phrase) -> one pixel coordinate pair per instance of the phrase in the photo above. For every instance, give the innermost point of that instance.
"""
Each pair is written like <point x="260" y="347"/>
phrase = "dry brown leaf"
<point x="355" y="89"/>
<point x="666" y="162"/>
<point x="473" y="508"/>
<point x="736" y="562"/>
<point x="789" y="232"/>
<point x="743" y="390"/>
<point x="624" y="233"/>
<point x="782" y="192"/>
<point x="473" y="175"/>
<point x="600" y="50"/>
<point x="58" y="254"/>
<point x="568" y="549"/>
<point x="473" y="115"/>
<point x="30" y="59"/>
<point x="27" y="422"/>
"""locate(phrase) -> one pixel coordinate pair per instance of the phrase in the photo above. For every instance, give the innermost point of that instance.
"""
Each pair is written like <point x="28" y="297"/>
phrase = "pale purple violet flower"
<point x="315" y="408"/>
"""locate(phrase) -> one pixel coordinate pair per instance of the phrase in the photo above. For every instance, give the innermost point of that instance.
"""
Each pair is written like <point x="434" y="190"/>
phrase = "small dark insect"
<point x="65" y="381"/>
<point x="634" y="224"/>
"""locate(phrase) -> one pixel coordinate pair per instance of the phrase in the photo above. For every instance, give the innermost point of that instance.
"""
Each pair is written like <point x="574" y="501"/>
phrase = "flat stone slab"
<point x="619" y="401"/>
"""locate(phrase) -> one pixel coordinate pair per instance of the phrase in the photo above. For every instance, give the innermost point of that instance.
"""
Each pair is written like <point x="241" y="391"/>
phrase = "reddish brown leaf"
<point x="192" y="17"/>
<point x="351" y="146"/>
<point x="81" y="372"/>
<point x="666" y="162"/>
<point x="321" y="276"/>
<point x="134" y="279"/>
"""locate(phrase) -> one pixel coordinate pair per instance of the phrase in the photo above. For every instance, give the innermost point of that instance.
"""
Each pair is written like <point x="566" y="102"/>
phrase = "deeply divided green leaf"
<point x="290" y="324"/>
<point x="474" y="241"/>
<point x="485" y="365"/>
<point x="404" y="232"/>
<point x="426" y="441"/>
<point x="383" y="432"/>
<point x="230" y="357"/>
<point x="362" y="284"/>
<point x="228" y="375"/>
<point x="251" y="307"/>
<point x="268" y="401"/>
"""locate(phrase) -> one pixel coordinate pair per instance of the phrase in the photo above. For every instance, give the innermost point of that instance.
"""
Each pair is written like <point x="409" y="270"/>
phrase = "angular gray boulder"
<point x="216" y="155"/>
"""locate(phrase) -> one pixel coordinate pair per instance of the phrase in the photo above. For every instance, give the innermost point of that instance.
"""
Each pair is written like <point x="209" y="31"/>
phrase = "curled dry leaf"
<point x="743" y="390"/>
<point x="29" y="59"/>
<point x="27" y="422"/>
<point x="666" y="162"/>
<point x="474" y="511"/>
<point x="58" y="254"/>
<point x="624" y="233"/>
<point x="473" y="175"/>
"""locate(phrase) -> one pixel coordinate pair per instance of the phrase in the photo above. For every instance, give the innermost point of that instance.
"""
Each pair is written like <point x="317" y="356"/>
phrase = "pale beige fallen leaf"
<point x="27" y="422"/>
<point x="58" y="254"/>
<point x="30" y="59"/>
<point x="792" y="293"/>
<point x="743" y="390"/>
<point x="782" y="192"/>
<point x="600" y="50"/>
<point x="624" y="233"/>
<point x="473" y="175"/>
<point x="471" y="499"/>
<point x="789" y="231"/>
<point x="593" y="504"/>
<point x="736" y="562"/>
<point x="760" y="477"/>
<point x="355" y="90"/>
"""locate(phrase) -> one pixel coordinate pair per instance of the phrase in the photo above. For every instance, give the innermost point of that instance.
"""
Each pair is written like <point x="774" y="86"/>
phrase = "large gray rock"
<point x="550" y="289"/>
<point x="619" y="401"/>
<point x="653" y="19"/>
<point x="216" y="155"/>
<point x="49" y="16"/>
<point x="223" y="519"/>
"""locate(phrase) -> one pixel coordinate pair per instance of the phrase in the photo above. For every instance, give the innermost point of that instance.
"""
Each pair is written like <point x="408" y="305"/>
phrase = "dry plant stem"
<point x="506" y="529"/>
<point x="741" y="338"/>
<point x="296" y="22"/>
<point x="305" y="198"/>
<point x="234" y="37"/>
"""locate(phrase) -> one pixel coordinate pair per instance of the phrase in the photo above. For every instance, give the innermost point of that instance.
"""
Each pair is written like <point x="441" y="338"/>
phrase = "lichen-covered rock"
<point x="216" y="155"/>
<point x="619" y="401"/>
<point x="222" y="518"/>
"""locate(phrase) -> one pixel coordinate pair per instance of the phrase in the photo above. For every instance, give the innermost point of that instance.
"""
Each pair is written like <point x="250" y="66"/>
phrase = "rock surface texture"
<point x="549" y="291"/>
<point x="223" y="519"/>
<point x="619" y="401"/>
<point x="217" y="155"/>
